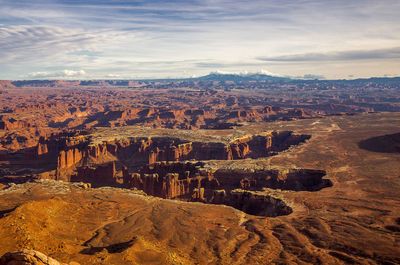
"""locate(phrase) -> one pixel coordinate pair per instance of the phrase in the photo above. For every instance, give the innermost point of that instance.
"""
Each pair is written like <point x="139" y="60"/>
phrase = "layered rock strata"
<point x="155" y="165"/>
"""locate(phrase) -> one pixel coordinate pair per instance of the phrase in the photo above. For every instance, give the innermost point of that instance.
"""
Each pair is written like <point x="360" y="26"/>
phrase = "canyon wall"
<point x="155" y="166"/>
<point x="72" y="154"/>
<point x="142" y="151"/>
<point x="12" y="124"/>
<point x="240" y="189"/>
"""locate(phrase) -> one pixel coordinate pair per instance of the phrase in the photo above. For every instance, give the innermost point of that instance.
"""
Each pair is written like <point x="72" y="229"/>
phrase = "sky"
<point x="139" y="39"/>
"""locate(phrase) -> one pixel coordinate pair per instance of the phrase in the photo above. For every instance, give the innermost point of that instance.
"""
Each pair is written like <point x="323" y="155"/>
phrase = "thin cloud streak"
<point x="380" y="54"/>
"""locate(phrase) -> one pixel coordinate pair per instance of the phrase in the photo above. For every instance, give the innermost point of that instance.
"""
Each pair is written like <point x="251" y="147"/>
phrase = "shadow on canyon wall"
<point x="382" y="144"/>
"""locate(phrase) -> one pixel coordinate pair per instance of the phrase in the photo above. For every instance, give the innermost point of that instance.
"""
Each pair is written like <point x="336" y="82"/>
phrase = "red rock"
<point x="29" y="257"/>
<point x="5" y="84"/>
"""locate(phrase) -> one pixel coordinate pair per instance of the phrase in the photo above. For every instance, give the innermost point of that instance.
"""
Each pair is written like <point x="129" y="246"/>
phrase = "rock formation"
<point x="187" y="181"/>
<point x="101" y="175"/>
<point x="257" y="204"/>
<point x="142" y="151"/>
<point x="29" y="257"/>
<point x="12" y="124"/>
<point x="5" y="84"/>
<point x="149" y="136"/>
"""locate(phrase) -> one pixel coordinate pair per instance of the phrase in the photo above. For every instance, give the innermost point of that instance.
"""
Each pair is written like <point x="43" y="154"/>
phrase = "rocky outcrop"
<point x="241" y="189"/>
<point x="141" y="163"/>
<point x="29" y="257"/>
<point x="289" y="179"/>
<point x="198" y="195"/>
<point x="12" y="124"/>
<point x="142" y="151"/>
<point x="60" y="151"/>
<point x="135" y="163"/>
<point x="57" y="152"/>
<point x="102" y="175"/>
<point x="5" y="84"/>
<point x="257" y="204"/>
<point x="77" y="159"/>
<point x="186" y="181"/>
<point x="188" y="118"/>
<point x="69" y="158"/>
<point x="169" y="180"/>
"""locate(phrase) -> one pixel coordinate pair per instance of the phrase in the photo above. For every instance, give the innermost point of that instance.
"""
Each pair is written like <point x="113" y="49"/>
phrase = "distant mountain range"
<point x="212" y="77"/>
<point x="240" y="77"/>
<point x="265" y="77"/>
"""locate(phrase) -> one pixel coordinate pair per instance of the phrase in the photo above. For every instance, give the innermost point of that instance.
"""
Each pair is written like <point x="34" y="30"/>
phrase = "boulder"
<point x="29" y="257"/>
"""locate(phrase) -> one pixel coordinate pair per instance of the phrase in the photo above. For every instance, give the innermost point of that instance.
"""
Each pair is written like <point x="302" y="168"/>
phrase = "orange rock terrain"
<point x="26" y="257"/>
<point x="94" y="174"/>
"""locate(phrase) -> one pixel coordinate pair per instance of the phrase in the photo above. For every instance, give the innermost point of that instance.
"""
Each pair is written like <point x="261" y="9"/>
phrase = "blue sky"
<point x="152" y="39"/>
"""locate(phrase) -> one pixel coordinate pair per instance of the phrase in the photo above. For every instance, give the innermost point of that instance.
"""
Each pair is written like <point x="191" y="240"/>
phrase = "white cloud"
<point x="112" y="76"/>
<point x="58" y="74"/>
<point x="246" y="72"/>
<point x="266" y="72"/>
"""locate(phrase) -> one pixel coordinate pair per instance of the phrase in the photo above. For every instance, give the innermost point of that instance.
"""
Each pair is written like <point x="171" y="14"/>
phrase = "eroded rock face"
<point x="170" y="180"/>
<point x="289" y="179"/>
<point x="257" y="204"/>
<point x="29" y="257"/>
<point x="79" y="105"/>
<point x="102" y="175"/>
<point x="5" y="84"/>
<point x="67" y="152"/>
<point x="155" y="165"/>
<point x="236" y="188"/>
<point x="69" y="158"/>
<point x="142" y="151"/>
<point x="12" y="124"/>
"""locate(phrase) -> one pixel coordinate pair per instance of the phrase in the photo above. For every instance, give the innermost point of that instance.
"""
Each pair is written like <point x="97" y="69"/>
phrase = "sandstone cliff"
<point x="74" y="155"/>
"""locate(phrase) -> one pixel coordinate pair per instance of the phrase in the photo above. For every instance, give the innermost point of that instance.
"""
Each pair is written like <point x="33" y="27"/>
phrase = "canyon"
<point x="156" y="165"/>
<point x="200" y="171"/>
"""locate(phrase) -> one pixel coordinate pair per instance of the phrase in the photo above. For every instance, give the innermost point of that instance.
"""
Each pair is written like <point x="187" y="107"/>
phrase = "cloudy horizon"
<point x="122" y="39"/>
